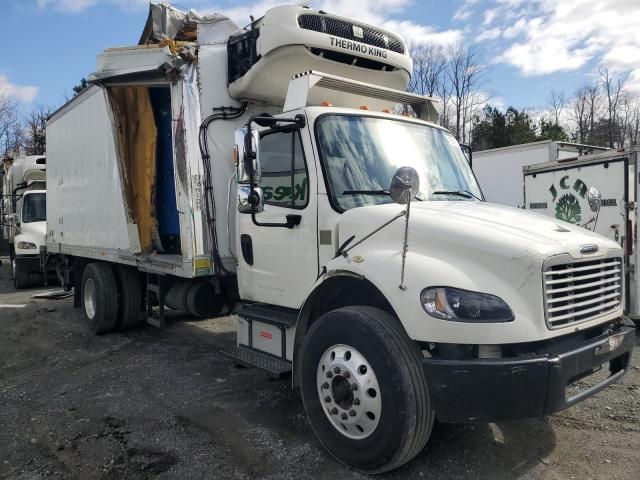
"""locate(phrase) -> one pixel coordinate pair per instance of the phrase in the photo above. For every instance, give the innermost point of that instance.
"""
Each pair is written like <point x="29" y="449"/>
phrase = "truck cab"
<point x="25" y="217"/>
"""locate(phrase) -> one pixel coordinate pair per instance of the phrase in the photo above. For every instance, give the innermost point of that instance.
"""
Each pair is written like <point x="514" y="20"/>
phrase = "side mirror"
<point x="594" y="197"/>
<point x="13" y="219"/>
<point x="404" y="185"/>
<point x="247" y="155"/>
<point x="246" y="199"/>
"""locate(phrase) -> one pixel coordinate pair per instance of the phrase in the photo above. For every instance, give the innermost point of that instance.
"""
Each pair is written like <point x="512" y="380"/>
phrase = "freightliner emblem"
<point x="587" y="249"/>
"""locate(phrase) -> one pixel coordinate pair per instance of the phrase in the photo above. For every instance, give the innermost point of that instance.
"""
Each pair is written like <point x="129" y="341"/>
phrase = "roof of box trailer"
<point x="584" y="160"/>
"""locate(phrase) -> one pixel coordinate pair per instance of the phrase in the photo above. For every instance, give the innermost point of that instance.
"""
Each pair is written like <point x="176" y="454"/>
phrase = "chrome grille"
<point x="580" y="291"/>
<point x="343" y="29"/>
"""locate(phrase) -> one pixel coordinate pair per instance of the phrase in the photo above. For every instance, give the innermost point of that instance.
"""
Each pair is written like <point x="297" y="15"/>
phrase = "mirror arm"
<point x="467" y="148"/>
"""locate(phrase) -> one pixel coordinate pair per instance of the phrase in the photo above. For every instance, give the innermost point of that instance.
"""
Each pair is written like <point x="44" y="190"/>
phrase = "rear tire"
<point x="129" y="297"/>
<point x="99" y="297"/>
<point x="386" y="417"/>
<point x="20" y="277"/>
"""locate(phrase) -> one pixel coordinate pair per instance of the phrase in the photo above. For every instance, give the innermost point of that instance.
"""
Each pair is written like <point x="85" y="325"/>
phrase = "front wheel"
<point x="364" y="390"/>
<point x="20" y="276"/>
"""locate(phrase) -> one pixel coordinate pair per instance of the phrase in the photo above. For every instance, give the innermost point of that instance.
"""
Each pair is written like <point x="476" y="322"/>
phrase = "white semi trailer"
<point x="213" y="167"/>
<point x="24" y="214"/>
<point x="499" y="170"/>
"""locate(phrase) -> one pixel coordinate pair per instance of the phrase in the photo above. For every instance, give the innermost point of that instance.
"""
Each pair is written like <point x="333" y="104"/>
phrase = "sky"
<point x="529" y="47"/>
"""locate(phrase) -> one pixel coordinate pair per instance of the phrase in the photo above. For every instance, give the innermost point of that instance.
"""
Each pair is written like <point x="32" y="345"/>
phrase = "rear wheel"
<point x="364" y="390"/>
<point x="99" y="297"/>
<point x="129" y="297"/>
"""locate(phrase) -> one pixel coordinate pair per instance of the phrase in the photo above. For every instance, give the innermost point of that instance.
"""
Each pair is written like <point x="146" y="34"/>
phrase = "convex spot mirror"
<point x="247" y="154"/>
<point x="246" y="198"/>
<point x="594" y="197"/>
<point x="405" y="185"/>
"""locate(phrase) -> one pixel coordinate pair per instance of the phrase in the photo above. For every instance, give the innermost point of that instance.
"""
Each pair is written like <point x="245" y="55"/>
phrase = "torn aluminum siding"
<point x="166" y="22"/>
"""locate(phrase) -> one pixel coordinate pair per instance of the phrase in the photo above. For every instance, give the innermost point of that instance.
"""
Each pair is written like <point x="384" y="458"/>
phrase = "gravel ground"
<point x="166" y="404"/>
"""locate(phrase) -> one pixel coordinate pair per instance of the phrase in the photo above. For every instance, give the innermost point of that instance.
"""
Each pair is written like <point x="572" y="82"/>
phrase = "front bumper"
<point x="511" y="388"/>
<point x="28" y="263"/>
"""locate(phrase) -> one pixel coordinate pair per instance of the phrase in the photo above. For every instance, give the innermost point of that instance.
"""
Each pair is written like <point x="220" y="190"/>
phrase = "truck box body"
<point x="499" y="170"/>
<point x="560" y="188"/>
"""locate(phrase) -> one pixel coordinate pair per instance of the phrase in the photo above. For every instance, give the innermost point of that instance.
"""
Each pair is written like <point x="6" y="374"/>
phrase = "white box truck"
<point x="213" y="167"/>
<point x="499" y="170"/>
<point x="24" y="214"/>
<point x="566" y="189"/>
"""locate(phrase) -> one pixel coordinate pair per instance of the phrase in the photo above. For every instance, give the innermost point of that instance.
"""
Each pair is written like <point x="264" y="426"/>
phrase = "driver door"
<point x="278" y="265"/>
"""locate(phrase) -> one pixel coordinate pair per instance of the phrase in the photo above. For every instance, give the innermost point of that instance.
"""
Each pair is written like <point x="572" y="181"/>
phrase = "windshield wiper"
<point x="366" y="192"/>
<point x="458" y="193"/>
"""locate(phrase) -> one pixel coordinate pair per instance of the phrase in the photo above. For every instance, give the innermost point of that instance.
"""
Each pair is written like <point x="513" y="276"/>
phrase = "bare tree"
<point x="429" y="62"/>
<point x="612" y="89"/>
<point x="11" y="133"/>
<point x="578" y="106"/>
<point x="35" y="127"/>
<point x="557" y="103"/>
<point x="464" y="73"/>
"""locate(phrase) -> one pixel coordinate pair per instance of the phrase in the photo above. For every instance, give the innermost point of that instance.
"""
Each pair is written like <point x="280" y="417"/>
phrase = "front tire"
<point x="20" y="276"/>
<point x="385" y="418"/>
<point x="99" y="297"/>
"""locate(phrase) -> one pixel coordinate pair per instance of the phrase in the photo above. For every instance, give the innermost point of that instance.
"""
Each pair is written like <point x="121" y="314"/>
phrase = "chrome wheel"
<point x="89" y="297"/>
<point x="349" y="391"/>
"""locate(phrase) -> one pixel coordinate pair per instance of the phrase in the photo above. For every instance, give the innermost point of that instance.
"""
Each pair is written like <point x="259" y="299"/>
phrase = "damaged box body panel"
<point x="112" y="131"/>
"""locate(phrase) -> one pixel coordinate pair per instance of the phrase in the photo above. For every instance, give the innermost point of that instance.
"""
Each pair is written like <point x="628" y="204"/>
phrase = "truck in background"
<point x="24" y="214"/>
<point x="569" y="189"/>
<point x="263" y="169"/>
<point x="499" y="170"/>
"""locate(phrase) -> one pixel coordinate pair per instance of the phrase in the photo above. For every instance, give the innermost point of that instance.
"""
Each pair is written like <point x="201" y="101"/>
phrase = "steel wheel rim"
<point x="349" y="391"/>
<point x="90" y="298"/>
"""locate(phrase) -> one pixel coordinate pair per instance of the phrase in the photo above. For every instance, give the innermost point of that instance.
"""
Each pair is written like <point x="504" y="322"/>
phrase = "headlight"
<point x="27" y="246"/>
<point x="463" y="306"/>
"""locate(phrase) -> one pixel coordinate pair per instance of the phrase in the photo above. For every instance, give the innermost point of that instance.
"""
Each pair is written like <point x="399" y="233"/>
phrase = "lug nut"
<point x="354" y="386"/>
<point x="325" y="385"/>
<point x="343" y="416"/>
<point x="346" y="374"/>
<point x="336" y="370"/>
<point x="356" y="401"/>
<point x="334" y="411"/>
<point x="327" y="399"/>
<point x="329" y="374"/>
<point x="352" y="412"/>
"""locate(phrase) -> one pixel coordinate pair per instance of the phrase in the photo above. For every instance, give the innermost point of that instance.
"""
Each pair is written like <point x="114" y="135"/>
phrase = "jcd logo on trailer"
<point x="567" y="204"/>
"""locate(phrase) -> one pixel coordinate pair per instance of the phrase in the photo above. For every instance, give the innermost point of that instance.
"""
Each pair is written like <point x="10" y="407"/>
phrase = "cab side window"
<point x="285" y="182"/>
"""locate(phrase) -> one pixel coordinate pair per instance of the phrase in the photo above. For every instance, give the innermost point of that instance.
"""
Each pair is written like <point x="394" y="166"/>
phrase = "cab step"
<point x="275" y="367"/>
<point x="273" y="315"/>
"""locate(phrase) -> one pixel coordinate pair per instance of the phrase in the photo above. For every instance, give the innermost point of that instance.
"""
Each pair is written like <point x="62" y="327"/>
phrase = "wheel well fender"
<point x="339" y="289"/>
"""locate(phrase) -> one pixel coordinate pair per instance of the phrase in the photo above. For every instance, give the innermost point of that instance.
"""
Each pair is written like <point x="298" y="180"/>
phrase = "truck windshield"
<point x="361" y="154"/>
<point x="34" y="207"/>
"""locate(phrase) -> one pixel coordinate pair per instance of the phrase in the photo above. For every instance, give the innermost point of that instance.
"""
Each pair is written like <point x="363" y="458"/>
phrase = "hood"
<point x="474" y="226"/>
<point x="34" y="232"/>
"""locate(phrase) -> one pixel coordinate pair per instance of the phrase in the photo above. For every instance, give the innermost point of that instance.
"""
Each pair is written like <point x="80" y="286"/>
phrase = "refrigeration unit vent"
<point x="350" y="31"/>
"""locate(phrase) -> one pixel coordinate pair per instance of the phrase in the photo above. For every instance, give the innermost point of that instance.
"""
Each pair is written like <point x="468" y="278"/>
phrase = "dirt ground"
<point x="166" y="404"/>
